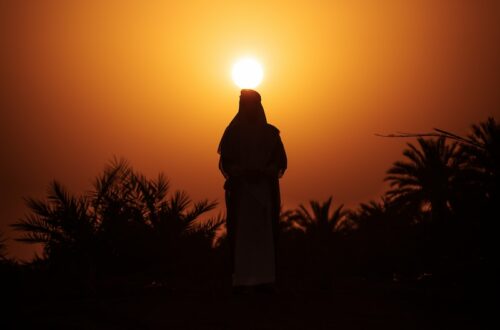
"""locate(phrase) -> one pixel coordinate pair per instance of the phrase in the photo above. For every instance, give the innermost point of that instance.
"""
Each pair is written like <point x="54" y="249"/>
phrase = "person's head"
<point x="251" y="110"/>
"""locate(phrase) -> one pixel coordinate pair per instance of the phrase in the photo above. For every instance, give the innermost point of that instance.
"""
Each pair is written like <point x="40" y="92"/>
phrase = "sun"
<point x="247" y="73"/>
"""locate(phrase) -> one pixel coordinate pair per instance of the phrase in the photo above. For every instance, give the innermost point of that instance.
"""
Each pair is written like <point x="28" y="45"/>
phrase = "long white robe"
<point x="252" y="160"/>
<point x="254" y="259"/>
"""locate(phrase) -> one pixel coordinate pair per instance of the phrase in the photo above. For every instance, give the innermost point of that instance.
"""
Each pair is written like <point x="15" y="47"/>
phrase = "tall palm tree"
<point x="483" y="157"/>
<point x="476" y="190"/>
<point x="481" y="169"/>
<point x="426" y="179"/>
<point x="479" y="201"/>
<point x="482" y="198"/>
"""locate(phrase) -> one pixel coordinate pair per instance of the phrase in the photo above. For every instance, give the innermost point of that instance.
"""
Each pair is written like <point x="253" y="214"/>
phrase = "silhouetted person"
<point x="252" y="159"/>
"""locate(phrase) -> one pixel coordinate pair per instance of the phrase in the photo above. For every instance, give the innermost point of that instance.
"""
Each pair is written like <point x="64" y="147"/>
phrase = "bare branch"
<point x="437" y="133"/>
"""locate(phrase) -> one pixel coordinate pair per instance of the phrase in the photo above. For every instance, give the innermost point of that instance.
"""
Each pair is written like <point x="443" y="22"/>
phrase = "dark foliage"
<point x="436" y="226"/>
<point x="126" y="227"/>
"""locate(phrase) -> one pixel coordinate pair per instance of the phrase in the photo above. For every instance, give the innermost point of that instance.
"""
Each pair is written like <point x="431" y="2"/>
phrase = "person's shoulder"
<point x="273" y="129"/>
<point x="230" y="129"/>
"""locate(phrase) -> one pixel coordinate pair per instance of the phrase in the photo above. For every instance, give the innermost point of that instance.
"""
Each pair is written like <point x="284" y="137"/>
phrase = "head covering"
<point x="251" y="111"/>
<point x="249" y="141"/>
<point x="250" y="116"/>
<point x="245" y="132"/>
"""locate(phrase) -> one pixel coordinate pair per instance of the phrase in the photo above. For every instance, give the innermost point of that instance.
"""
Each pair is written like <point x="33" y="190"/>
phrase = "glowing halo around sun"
<point x="247" y="73"/>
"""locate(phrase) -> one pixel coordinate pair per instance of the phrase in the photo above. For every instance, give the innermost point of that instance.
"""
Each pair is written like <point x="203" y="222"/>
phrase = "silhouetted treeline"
<point x="437" y="224"/>
<point x="127" y="227"/>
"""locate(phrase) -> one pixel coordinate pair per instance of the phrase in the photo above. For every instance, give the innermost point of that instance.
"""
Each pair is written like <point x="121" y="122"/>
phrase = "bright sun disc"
<point x="247" y="73"/>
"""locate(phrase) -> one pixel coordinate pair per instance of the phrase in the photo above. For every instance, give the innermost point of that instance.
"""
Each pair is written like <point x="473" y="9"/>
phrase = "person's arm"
<point x="282" y="159"/>
<point x="228" y="161"/>
<point x="278" y="164"/>
<point x="229" y="168"/>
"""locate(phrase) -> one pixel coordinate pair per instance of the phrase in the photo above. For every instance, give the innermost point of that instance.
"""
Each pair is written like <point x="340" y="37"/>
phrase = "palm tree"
<point x="208" y="229"/>
<point x="481" y="178"/>
<point x="177" y="215"/>
<point x="474" y="193"/>
<point x="481" y="169"/>
<point x="322" y="229"/>
<point x="426" y="180"/>
<point x="483" y="158"/>
<point x="373" y="215"/>
<point x="62" y="223"/>
<point x="142" y="223"/>
<point x="380" y="215"/>
<point x="126" y="222"/>
<point x="125" y="204"/>
<point x="319" y="222"/>
<point x="203" y="252"/>
<point x="384" y="238"/>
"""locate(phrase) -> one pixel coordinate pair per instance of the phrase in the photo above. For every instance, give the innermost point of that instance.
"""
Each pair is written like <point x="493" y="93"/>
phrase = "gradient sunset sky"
<point x="150" y="81"/>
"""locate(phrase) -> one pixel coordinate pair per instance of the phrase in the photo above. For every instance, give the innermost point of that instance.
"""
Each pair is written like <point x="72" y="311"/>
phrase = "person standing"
<point x="252" y="159"/>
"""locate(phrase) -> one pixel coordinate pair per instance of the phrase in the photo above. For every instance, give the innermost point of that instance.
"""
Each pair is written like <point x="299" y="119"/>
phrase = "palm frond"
<point x="320" y="219"/>
<point x="36" y="229"/>
<point x="208" y="226"/>
<point x="116" y="170"/>
<point x="178" y="203"/>
<point x="162" y="185"/>
<point x="198" y="209"/>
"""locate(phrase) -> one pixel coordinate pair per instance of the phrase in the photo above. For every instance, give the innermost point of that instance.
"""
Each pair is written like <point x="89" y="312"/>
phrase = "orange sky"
<point x="82" y="81"/>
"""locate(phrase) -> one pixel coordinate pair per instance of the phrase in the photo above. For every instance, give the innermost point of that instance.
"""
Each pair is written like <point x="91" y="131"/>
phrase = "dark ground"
<point x="349" y="304"/>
